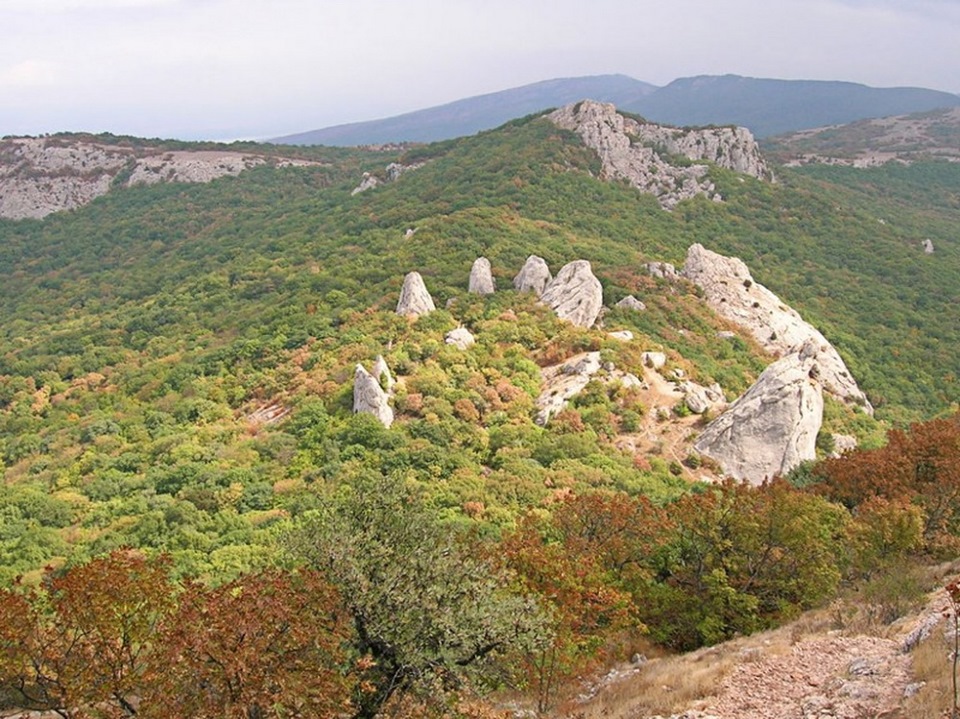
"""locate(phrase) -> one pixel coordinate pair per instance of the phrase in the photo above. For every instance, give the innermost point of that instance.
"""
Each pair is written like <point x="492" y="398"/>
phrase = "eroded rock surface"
<point x="43" y="175"/>
<point x="370" y="398"/>
<point x="732" y="293"/>
<point x="631" y="303"/>
<point x="566" y="380"/>
<point x="534" y="276"/>
<point x="575" y="294"/>
<point x="414" y="300"/>
<point x="481" y="278"/>
<point x="640" y="152"/>
<point x="382" y="374"/>
<point x="773" y="426"/>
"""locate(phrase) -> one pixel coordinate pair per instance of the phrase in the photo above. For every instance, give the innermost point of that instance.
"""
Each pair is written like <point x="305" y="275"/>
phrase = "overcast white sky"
<point x="227" y="69"/>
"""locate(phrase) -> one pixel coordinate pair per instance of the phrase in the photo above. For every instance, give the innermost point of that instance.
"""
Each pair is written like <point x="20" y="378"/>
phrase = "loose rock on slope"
<point x="732" y="293"/>
<point x="575" y="294"/>
<point x="773" y="426"/>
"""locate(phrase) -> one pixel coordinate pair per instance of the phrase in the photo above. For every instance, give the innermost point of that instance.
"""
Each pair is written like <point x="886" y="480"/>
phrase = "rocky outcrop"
<point x="43" y="175"/>
<point x="631" y="303"/>
<point x="641" y="153"/>
<point x="534" y="276"/>
<point x="773" y="426"/>
<point x="575" y="294"/>
<point x="700" y="399"/>
<point x="653" y="360"/>
<point x="481" y="278"/>
<point x="622" y="335"/>
<point x="414" y="300"/>
<point x="461" y="338"/>
<point x="392" y="173"/>
<point x="382" y="374"/>
<point x="661" y="270"/>
<point x="928" y="247"/>
<point x="564" y="381"/>
<point x="369" y="397"/>
<point x="732" y="293"/>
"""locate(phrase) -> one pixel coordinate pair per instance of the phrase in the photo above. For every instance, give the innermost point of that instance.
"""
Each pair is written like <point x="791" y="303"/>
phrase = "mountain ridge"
<point x="765" y="106"/>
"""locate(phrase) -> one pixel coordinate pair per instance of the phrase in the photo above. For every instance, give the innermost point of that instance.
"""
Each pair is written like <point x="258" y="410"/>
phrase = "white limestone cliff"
<point x="731" y="291"/>
<point x="773" y="426"/>
<point x="640" y="152"/>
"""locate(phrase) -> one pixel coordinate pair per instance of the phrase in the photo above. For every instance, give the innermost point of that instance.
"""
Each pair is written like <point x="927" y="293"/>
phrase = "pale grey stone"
<point x="481" y="278"/>
<point x="414" y="298"/>
<point x="575" y="294"/>
<point x="534" y="276"/>
<point x="369" y="397"/>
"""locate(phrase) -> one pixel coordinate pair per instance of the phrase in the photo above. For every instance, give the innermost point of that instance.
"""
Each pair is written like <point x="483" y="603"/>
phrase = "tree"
<point x="84" y="641"/>
<point x="430" y="613"/>
<point x="265" y="645"/>
<point x="585" y="609"/>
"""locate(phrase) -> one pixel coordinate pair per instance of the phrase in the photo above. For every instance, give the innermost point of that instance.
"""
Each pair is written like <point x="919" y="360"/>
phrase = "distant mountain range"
<point x="768" y="107"/>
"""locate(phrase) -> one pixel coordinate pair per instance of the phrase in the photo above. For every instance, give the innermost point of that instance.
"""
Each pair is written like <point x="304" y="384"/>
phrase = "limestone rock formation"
<point x="367" y="182"/>
<point x="640" y="152"/>
<point x="662" y="270"/>
<point x="732" y="293"/>
<point x="382" y="374"/>
<point x="461" y="338"/>
<point x="392" y="173"/>
<point x="928" y="247"/>
<point x="622" y="335"/>
<point x="481" y="278"/>
<point x="773" y="426"/>
<point x="653" y="360"/>
<point x="566" y="380"/>
<point x="534" y="276"/>
<point x="631" y="303"/>
<point x="699" y="399"/>
<point x="414" y="298"/>
<point x="42" y="175"/>
<point x="575" y="294"/>
<point x="369" y="397"/>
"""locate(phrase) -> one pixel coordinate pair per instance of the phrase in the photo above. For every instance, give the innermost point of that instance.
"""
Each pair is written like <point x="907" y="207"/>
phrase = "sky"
<point x="246" y="69"/>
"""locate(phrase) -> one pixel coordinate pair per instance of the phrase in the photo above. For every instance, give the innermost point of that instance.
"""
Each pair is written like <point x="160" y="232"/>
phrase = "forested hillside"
<point x="176" y="376"/>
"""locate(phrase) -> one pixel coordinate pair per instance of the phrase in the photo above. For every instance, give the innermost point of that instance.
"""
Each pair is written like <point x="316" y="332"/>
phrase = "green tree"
<point x="430" y="613"/>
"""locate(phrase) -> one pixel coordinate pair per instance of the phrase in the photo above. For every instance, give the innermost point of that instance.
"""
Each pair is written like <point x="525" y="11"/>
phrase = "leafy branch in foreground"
<point x="431" y="615"/>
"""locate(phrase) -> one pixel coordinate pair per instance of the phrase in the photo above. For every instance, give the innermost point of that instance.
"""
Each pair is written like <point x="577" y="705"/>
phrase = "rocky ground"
<point x="807" y="670"/>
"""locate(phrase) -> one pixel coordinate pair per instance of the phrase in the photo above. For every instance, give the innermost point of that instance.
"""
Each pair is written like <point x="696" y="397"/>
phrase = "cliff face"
<point x="40" y="176"/>
<point x="641" y="152"/>
<point x="731" y="291"/>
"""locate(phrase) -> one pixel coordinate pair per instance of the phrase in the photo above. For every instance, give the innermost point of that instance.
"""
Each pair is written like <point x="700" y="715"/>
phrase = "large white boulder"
<point x="414" y="300"/>
<point x="481" y="278"/>
<point x="534" y="276"/>
<point x="773" y="426"/>
<point x="369" y="397"/>
<point x="575" y="294"/>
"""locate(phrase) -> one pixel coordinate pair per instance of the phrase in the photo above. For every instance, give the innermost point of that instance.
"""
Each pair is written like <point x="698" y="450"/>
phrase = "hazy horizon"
<point x="231" y="69"/>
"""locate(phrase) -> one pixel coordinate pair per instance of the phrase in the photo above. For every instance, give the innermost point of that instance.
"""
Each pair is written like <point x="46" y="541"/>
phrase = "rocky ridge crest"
<point x="43" y="175"/>
<point x="639" y="152"/>
<point x="732" y="292"/>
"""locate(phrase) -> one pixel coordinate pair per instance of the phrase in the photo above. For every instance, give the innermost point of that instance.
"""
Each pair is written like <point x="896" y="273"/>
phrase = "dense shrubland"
<point x="141" y="334"/>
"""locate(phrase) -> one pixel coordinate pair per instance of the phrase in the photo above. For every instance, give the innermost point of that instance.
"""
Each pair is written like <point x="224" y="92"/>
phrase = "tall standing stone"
<point x="369" y="397"/>
<point x="414" y="298"/>
<point x="534" y="276"/>
<point x="481" y="278"/>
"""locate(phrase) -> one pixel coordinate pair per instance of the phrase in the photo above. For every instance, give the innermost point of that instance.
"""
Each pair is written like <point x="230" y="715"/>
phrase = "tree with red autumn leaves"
<point x="79" y="645"/>
<point x="271" y="644"/>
